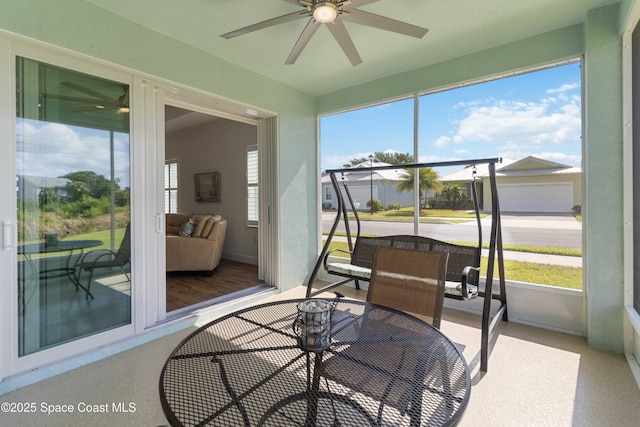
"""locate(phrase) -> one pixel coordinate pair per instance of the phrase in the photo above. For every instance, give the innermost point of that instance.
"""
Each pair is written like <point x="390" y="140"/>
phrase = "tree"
<point x="88" y="183"/>
<point x="454" y="193"/>
<point x="392" y="157"/>
<point x="428" y="180"/>
<point x="48" y="198"/>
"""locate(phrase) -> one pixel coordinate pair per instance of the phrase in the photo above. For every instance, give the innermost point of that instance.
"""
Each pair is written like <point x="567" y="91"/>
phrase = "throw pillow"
<point x="187" y="228"/>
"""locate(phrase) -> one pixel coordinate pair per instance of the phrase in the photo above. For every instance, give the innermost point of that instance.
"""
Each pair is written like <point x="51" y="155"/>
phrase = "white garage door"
<point x="556" y="197"/>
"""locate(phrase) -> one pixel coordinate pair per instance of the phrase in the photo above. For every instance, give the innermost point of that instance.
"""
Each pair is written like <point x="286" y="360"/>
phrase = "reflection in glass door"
<point x="72" y="183"/>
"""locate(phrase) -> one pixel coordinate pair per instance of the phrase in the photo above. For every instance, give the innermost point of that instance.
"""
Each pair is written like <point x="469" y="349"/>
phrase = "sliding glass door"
<point x="73" y="200"/>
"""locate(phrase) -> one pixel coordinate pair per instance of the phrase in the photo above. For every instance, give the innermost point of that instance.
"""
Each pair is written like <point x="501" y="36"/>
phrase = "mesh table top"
<point x="383" y="367"/>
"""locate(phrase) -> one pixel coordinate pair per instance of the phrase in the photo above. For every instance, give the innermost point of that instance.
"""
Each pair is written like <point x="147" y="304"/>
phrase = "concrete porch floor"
<point x="536" y="378"/>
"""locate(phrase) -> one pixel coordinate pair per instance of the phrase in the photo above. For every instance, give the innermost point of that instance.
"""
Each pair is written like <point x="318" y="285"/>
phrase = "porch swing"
<point x="463" y="281"/>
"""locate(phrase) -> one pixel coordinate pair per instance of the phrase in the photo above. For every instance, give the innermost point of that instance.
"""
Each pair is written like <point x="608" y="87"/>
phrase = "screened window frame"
<point x="417" y="95"/>
<point x="634" y="136"/>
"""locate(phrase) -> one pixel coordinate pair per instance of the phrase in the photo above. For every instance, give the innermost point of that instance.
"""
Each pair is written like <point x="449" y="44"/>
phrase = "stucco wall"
<point x="84" y="28"/>
<point x="602" y="158"/>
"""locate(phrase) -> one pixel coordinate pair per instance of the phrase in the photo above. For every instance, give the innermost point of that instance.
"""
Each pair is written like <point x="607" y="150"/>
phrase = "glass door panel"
<point x="72" y="188"/>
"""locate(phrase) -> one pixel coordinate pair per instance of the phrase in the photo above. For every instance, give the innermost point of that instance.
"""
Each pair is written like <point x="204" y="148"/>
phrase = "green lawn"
<point x="544" y="274"/>
<point x="516" y="248"/>
<point x="104" y="235"/>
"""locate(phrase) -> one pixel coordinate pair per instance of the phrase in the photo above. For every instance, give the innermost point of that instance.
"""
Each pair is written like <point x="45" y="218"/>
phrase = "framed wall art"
<point x="208" y="187"/>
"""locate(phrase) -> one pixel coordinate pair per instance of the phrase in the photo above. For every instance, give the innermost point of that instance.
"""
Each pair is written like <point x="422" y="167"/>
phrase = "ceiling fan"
<point x="332" y="12"/>
<point x="96" y="100"/>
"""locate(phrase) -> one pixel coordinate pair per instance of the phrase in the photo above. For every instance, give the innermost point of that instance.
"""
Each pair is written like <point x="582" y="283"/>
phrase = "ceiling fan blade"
<point x="304" y="38"/>
<point x="266" y="24"/>
<point x="339" y="3"/>
<point x="95" y="108"/>
<point x="341" y="35"/>
<point x="89" y="91"/>
<point x="382" y="22"/>
<point x="358" y="3"/>
<point x="71" y="98"/>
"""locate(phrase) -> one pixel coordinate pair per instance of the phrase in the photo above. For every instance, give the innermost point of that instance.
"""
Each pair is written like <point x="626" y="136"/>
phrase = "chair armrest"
<point x="463" y="278"/>
<point x="326" y="257"/>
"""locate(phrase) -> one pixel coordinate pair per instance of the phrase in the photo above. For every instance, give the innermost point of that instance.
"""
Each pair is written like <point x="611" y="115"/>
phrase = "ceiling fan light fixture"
<point x="325" y="11"/>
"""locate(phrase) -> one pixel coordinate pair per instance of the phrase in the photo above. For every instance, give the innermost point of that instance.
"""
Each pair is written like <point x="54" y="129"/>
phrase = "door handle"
<point x="7" y="235"/>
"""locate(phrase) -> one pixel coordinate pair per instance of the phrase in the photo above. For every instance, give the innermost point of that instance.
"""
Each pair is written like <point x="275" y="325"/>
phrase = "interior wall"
<point x="219" y="146"/>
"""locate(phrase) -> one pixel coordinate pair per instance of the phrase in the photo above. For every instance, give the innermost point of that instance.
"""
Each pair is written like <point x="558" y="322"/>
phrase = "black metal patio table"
<point x="383" y="368"/>
<point x="68" y="269"/>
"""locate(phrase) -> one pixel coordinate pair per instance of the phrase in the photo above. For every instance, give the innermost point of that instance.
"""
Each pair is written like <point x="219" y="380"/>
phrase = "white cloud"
<point x="564" y="88"/>
<point x="442" y="142"/>
<point x="53" y="150"/>
<point x="519" y="124"/>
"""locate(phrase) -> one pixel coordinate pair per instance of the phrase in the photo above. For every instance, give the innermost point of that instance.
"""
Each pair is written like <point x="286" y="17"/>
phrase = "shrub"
<point x="376" y="203"/>
<point x="392" y="206"/>
<point x="87" y="207"/>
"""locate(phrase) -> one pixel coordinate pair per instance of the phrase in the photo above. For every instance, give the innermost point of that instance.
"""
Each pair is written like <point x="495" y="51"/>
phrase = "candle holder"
<point x="51" y="240"/>
<point x="313" y="324"/>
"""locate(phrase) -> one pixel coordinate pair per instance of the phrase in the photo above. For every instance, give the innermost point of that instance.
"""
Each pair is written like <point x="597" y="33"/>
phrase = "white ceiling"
<point x="456" y="27"/>
<point x="176" y="118"/>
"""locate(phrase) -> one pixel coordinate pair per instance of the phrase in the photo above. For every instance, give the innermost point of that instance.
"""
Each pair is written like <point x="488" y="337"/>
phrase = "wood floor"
<point x="189" y="288"/>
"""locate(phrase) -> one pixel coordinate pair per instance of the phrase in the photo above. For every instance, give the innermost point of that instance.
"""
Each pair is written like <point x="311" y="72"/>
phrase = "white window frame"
<point x="253" y="184"/>
<point x="167" y="185"/>
<point x="328" y="194"/>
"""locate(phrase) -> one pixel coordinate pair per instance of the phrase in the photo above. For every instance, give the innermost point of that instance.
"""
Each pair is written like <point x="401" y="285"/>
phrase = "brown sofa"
<point x="200" y="252"/>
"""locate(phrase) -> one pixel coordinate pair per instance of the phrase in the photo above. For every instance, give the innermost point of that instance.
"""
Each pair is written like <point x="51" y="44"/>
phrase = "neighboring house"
<point x="30" y="186"/>
<point x="527" y="185"/>
<point x="362" y="184"/>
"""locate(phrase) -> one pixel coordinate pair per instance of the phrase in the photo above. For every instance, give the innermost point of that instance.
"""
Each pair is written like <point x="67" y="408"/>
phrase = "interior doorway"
<point x="208" y="161"/>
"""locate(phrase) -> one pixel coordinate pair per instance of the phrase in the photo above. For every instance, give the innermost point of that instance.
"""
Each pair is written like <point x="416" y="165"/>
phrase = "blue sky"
<point x="537" y="113"/>
<point x="56" y="149"/>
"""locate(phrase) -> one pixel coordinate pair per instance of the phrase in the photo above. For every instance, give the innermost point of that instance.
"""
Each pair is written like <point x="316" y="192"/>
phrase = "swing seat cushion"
<point x="346" y="269"/>
<point x="451" y="289"/>
<point x="454" y="290"/>
<point x="462" y="266"/>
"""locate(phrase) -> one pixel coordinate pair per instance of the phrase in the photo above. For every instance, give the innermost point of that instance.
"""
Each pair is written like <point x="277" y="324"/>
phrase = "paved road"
<point x="527" y="230"/>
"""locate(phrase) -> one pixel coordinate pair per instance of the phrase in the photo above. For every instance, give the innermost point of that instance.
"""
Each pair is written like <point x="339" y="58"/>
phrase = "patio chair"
<point x="105" y="258"/>
<point x="410" y="281"/>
